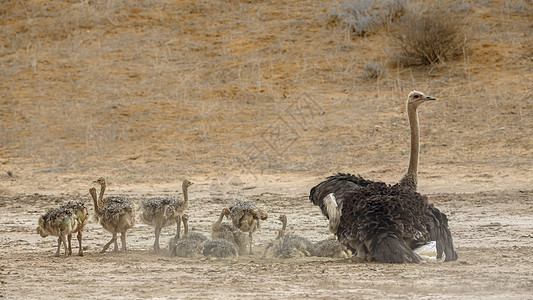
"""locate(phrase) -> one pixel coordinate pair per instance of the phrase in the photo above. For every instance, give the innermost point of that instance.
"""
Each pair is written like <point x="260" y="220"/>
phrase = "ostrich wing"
<point x="342" y="186"/>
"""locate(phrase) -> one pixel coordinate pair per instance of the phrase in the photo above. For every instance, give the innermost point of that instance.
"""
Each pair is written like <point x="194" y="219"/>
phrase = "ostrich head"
<point x="416" y="98"/>
<point x="100" y="181"/>
<point x="41" y="232"/>
<point x="260" y="214"/>
<point x="226" y="211"/>
<point x="186" y="183"/>
<point x="283" y="218"/>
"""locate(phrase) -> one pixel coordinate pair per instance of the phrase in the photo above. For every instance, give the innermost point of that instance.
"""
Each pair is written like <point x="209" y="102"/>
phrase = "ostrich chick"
<point x="274" y="247"/>
<point x="220" y="248"/>
<point x="229" y="232"/>
<point x="191" y="245"/>
<point x="115" y="217"/>
<point x="293" y="245"/>
<point x="59" y="222"/>
<point x="191" y="235"/>
<point x="331" y="248"/>
<point x="185" y="248"/>
<point x="247" y="216"/>
<point x="161" y="212"/>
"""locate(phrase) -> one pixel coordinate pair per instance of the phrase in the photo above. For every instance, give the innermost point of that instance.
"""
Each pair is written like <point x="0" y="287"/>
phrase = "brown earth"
<point x="257" y="101"/>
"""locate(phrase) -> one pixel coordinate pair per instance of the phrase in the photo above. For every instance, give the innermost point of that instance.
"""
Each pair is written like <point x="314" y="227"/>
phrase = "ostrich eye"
<point x="416" y="96"/>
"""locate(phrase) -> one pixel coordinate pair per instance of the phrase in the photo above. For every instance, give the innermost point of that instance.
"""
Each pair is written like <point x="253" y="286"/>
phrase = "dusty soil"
<point x="257" y="101"/>
<point x="492" y="232"/>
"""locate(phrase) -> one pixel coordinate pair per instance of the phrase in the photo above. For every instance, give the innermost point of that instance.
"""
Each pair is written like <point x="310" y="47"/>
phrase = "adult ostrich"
<point x="382" y="222"/>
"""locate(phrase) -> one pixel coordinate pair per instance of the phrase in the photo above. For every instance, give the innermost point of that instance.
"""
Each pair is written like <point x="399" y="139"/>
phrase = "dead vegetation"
<point x="431" y="34"/>
<point x="362" y="17"/>
<point x="146" y="81"/>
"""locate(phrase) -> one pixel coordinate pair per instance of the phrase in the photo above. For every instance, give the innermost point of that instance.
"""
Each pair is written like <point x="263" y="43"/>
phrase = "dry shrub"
<point x="373" y="70"/>
<point x="429" y="36"/>
<point x="360" y="17"/>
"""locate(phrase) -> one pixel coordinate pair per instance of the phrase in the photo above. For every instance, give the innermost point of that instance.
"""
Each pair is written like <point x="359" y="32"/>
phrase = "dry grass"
<point x="163" y="88"/>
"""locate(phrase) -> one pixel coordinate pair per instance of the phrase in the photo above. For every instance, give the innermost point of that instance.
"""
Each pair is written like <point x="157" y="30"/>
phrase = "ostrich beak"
<point x="430" y="98"/>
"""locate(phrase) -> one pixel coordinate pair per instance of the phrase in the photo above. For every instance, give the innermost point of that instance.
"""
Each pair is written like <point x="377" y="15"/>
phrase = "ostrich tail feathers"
<point x="390" y="249"/>
<point x="441" y="234"/>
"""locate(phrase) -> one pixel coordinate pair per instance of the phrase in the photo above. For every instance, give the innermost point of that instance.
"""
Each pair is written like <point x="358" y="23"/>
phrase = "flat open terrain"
<point x="492" y="232"/>
<point x="257" y="101"/>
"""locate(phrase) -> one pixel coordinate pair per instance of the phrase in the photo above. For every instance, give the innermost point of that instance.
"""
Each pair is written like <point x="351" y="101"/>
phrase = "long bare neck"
<point x="185" y="195"/>
<point x="411" y="177"/>
<point x="221" y="217"/>
<point x="95" y="201"/>
<point x="101" y="197"/>
<point x="216" y="225"/>
<point x="281" y="233"/>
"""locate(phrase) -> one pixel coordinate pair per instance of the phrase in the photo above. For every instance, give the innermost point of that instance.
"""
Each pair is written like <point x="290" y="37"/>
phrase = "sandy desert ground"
<point x="492" y="232"/>
<point x="257" y="101"/>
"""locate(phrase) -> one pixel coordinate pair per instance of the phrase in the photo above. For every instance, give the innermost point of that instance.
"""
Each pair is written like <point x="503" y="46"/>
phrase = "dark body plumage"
<point x="342" y="185"/>
<point x="383" y="222"/>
